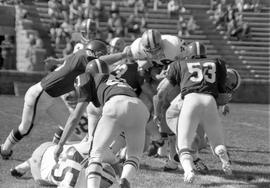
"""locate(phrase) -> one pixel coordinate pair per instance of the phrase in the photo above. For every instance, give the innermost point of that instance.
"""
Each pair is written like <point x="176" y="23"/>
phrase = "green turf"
<point x="247" y="134"/>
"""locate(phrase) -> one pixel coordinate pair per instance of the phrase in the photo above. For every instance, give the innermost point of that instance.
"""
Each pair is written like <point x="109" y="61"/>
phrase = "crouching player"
<point x="202" y="81"/>
<point x="69" y="171"/>
<point x="121" y="111"/>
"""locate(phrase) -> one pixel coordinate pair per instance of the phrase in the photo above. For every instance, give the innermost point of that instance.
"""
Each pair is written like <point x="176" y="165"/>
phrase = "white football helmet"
<point x="88" y="30"/>
<point x="151" y="42"/>
<point x="233" y="80"/>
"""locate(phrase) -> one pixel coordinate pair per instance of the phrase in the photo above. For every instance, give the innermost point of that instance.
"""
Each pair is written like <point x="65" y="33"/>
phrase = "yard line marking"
<point x="256" y="126"/>
<point x="258" y="110"/>
<point x="7" y="114"/>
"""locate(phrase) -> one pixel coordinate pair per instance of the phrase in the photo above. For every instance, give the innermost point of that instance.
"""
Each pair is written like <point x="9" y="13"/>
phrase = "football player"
<point x="121" y="111"/>
<point x="44" y="96"/>
<point x="155" y="49"/>
<point x="201" y="79"/>
<point x="88" y="31"/>
<point x="162" y="49"/>
<point x="69" y="171"/>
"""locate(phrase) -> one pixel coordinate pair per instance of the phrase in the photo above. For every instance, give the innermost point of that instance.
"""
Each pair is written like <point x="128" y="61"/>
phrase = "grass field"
<point x="247" y="134"/>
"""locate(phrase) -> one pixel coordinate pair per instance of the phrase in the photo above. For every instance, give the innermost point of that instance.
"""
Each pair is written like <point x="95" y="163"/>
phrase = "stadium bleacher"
<point x="249" y="57"/>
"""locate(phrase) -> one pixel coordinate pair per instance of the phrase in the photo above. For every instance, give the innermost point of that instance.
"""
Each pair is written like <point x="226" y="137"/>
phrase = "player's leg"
<point x="118" y="143"/>
<point x="172" y="116"/>
<point x="214" y="130"/>
<point x="134" y="124"/>
<point x="187" y="125"/>
<point x="32" y="100"/>
<point x="105" y="132"/>
<point x="93" y="115"/>
<point x="197" y="145"/>
<point x="163" y="131"/>
<point x="154" y="137"/>
<point x="19" y="170"/>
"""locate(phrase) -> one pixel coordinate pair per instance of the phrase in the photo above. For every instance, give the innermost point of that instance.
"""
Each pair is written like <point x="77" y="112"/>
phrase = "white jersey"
<point x="171" y="45"/>
<point x="45" y="170"/>
<point x="69" y="171"/>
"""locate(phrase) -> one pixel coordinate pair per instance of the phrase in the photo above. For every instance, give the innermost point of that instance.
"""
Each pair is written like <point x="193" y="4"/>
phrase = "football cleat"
<point x="5" y="156"/>
<point x="15" y="173"/>
<point x="200" y="166"/>
<point x="189" y="177"/>
<point x="224" y="158"/>
<point x="171" y="165"/>
<point x="124" y="183"/>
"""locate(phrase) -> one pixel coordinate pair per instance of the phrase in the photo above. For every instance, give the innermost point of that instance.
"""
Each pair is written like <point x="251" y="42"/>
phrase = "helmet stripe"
<point x="198" y="48"/>
<point x="151" y="39"/>
<point x="99" y="66"/>
<point x="238" y="78"/>
<point x="154" y="39"/>
<point x="88" y="25"/>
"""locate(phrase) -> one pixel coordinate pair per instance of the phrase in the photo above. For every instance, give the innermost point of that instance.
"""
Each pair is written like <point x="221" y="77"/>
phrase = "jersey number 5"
<point x="65" y="174"/>
<point x="206" y="71"/>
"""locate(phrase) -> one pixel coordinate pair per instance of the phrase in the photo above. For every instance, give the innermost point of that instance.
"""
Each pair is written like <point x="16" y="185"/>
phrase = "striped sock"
<point x="13" y="138"/>
<point x="130" y="168"/>
<point x="94" y="172"/>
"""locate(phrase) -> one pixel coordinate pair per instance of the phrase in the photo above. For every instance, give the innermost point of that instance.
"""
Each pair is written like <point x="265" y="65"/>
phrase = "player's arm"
<point x="51" y="61"/>
<point x="165" y="87"/>
<point x="222" y="71"/>
<point x="71" y="123"/>
<point x="113" y="58"/>
<point x="223" y="97"/>
<point x="93" y="115"/>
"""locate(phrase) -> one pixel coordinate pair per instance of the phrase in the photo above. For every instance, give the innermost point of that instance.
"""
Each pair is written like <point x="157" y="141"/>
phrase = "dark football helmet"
<point x="97" y="48"/>
<point x="195" y="50"/>
<point x="96" y="66"/>
<point x="233" y="80"/>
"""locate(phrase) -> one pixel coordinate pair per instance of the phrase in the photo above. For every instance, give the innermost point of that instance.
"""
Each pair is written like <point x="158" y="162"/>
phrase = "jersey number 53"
<point x="206" y="71"/>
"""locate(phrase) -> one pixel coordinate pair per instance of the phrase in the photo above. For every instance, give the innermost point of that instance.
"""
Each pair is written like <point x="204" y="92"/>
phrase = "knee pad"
<point x="134" y="161"/>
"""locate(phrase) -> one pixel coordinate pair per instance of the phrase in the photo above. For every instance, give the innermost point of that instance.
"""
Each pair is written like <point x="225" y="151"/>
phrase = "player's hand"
<point x="223" y="98"/>
<point x="127" y="52"/>
<point x="58" y="150"/>
<point x="225" y="110"/>
<point x="50" y="63"/>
